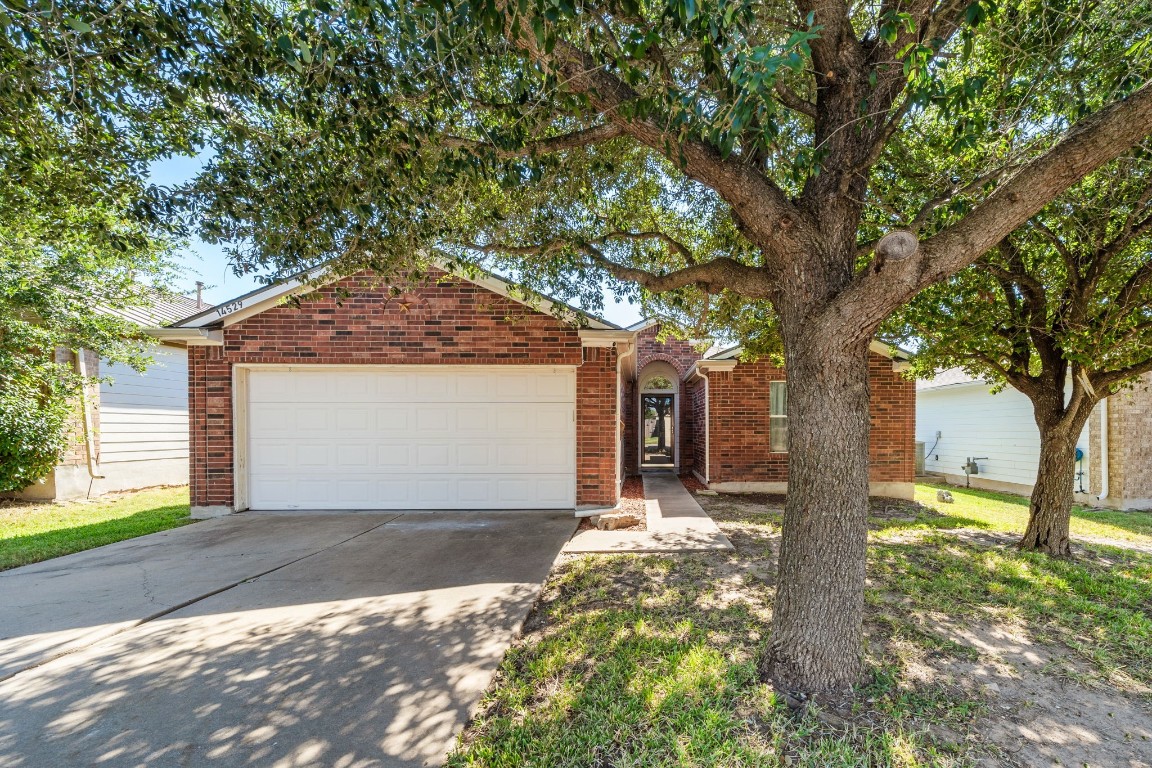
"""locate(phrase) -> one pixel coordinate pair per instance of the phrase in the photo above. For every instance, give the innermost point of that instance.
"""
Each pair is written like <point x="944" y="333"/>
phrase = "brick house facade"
<point x="450" y="321"/>
<point x="724" y="418"/>
<point x="454" y="324"/>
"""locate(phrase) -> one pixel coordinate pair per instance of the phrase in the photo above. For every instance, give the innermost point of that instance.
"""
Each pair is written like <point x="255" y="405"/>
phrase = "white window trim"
<point x="772" y="416"/>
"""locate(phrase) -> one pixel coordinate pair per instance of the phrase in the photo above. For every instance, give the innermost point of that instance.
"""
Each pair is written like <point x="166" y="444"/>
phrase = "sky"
<point x="209" y="263"/>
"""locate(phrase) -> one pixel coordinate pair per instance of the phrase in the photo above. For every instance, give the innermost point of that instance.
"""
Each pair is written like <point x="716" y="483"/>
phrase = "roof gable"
<point x="273" y="295"/>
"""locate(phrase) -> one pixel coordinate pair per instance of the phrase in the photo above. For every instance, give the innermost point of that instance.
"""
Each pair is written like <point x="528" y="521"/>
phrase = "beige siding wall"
<point x="144" y="416"/>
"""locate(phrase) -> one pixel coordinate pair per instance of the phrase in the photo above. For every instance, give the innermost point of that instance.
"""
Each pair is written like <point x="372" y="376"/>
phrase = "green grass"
<point x="1008" y="513"/>
<point x="30" y="533"/>
<point x="1098" y="605"/>
<point x="653" y="661"/>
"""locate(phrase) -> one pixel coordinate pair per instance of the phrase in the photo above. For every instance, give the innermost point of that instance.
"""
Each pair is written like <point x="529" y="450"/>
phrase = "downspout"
<point x="707" y="432"/>
<point x="696" y="374"/>
<point x="1103" y="450"/>
<point x="86" y="407"/>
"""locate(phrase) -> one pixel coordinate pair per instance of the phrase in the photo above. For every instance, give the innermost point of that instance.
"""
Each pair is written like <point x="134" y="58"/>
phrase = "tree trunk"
<point x="1050" y="509"/>
<point x="817" y="623"/>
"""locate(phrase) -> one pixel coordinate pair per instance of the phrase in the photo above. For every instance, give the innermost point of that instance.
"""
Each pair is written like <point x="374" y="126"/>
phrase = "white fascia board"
<point x="192" y="337"/>
<point x="702" y="367"/>
<point x="898" y="357"/>
<point x="595" y="337"/>
<point x="252" y="303"/>
<point x="889" y="351"/>
<point x="952" y="385"/>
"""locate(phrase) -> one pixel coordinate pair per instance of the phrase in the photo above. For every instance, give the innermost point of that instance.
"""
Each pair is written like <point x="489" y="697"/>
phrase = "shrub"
<point x="32" y="435"/>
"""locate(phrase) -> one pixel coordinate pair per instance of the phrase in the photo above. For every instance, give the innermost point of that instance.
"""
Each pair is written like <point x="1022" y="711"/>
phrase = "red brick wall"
<point x="353" y="322"/>
<point x="596" y="428"/>
<point x="739" y="415"/>
<point x="892" y="447"/>
<point x="210" y="427"/>
<point x="697" y="394"/>
<point x="628" y="414"/>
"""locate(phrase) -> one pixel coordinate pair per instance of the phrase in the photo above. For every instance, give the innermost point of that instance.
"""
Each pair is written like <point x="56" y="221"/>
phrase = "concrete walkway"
<point x="676" y="523"/>
<point x="361" y="639"/>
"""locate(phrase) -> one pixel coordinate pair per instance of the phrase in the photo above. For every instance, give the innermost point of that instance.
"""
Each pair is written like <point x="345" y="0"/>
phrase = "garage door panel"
<point x="394" y="455"/>
<point x="355" y="387"/>
<point x="352" y="418"/>
<point x="358" y="455"/>
<point x="434" y="419"/>
<point x="265" y="419"/>
<point x="269" y="455"/>
<point x="367" y="491"/>
<point x="411" y="438"/>
<point x="315" y="455"/>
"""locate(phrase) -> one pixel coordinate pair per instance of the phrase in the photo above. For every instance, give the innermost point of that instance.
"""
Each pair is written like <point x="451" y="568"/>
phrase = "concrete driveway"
<point x="362" y="639"/>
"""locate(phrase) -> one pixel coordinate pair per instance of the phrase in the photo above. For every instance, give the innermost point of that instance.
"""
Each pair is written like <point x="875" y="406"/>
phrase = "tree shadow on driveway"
<point x="371" y="653"/>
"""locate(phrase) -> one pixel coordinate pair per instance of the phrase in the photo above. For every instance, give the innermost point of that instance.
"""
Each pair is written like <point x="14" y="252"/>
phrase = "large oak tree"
<point x="693" y="149"/>
<point x="722" y="153"/>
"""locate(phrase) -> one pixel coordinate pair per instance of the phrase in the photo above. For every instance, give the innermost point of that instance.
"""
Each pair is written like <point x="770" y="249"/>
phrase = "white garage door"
<point x="419" y="437"/>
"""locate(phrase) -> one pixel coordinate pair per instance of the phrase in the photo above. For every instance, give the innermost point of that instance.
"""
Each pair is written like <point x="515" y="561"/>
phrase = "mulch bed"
<point x="692" y="484"/>
<point x="631" y="502"/>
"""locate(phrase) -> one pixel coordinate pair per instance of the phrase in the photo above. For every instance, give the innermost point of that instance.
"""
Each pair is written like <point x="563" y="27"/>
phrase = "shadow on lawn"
<point x="36" y="547"/>
<point x="1096" y="605"/>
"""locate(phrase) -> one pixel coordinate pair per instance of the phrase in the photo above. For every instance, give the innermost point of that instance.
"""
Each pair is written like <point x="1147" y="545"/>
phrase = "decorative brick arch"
<point x="663" y="357"/>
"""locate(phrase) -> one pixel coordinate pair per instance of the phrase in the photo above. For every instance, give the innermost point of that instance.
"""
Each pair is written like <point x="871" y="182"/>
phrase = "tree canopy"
<point x="1061" y="310"/>
<point x="83" y="235"/>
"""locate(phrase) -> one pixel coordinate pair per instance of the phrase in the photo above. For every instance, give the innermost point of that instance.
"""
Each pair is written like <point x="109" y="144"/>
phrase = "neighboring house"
<point x="958" y="417"/>
<point x="457" y="395"/>
<point x="131" y="429"/>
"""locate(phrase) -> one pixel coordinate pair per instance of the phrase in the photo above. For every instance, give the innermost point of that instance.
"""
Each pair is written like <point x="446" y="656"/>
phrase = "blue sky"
<point x="208" y="263"/>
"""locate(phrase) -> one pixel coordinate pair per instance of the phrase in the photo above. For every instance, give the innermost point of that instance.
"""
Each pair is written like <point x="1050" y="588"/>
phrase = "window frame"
<point x="777" y="418"/>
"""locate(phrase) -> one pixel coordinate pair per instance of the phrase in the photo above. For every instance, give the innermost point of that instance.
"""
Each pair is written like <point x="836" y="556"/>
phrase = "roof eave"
<point x="190" y="337"/>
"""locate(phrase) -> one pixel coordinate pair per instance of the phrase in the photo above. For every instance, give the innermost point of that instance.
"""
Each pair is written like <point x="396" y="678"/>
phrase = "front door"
<point x="658" y="431"/>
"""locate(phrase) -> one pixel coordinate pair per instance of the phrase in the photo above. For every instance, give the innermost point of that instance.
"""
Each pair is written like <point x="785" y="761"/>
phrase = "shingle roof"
<point x="165" y="308"/>
<point x="946" y="378"/>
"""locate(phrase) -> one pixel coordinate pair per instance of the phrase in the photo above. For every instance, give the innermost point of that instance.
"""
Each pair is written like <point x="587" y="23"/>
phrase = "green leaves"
<point x="77" y="25"/>
<point x="1068" y="291"/>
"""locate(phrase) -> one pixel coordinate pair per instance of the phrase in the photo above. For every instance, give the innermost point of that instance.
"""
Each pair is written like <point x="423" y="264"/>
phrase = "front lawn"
<point x="653" y="660"/>
<point x="1008" y="512"/>
<point x="32" y="532"/>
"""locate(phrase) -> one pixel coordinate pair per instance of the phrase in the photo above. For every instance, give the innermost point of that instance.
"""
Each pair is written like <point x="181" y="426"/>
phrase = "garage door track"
<point x="355" y="640"/>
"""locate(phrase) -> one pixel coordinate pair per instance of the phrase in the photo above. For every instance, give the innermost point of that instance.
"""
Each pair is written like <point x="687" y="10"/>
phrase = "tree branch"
<point x="1089" y="144"/>
<point x="721" y="272"/>
<point x="581" y="138"/>
<point x="1108" y="379"/>
<point x="769" y="213"/>
<point x="1130" y="295"/>
<point x="671" y="242"/>
<point x="794" y="101"/>
<point x="921" y="218"/>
